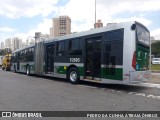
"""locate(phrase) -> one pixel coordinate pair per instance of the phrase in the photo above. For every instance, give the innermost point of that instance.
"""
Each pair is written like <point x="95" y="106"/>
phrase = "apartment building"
<point x="61" y="26"/>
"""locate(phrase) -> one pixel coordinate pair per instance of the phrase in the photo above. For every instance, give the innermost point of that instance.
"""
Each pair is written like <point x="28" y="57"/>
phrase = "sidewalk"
<point x="155" y="78"/>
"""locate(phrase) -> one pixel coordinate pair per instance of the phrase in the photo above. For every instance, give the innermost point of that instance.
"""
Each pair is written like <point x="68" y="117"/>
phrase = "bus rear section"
<point x="141" y="56"/>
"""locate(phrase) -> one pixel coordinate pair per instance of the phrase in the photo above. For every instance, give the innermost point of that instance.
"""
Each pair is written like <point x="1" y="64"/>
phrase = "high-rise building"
<point x="40" y="37"/>
<point x="16" y="43"/>
<point x="2" y="45"/>
<point x="30" y="41"/>
<point x="98" y="24"/>
<point x="23" y="44"/>
<point x="8" y="43"/>
<point x="61" y="26"/>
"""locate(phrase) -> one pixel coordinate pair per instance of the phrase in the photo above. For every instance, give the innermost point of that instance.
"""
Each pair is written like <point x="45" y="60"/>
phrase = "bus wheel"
<point x="2" y="68"/>
<point x="5" y="68"/>
<point x="73" y="75"/>
<point x="27" y="70"/>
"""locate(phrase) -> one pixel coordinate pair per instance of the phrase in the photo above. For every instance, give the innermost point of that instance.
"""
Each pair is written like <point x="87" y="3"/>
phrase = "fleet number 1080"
<point x="75" y="60"/>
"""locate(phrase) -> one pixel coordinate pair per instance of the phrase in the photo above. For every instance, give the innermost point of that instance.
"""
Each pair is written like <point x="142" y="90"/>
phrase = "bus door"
<point x="18" y="58"/>
<point x="50" y="59"/>
<point x="93" y="59"/>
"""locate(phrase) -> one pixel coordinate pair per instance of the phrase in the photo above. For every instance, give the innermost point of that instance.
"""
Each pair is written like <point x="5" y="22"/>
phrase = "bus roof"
<point x="23" y="48"/>
<point x="89" y="32"/>
<point x="92" y="31"/>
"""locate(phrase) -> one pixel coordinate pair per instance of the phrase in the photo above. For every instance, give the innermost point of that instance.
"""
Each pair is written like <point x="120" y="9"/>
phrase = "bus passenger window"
<point x="61" y="47"/>
<point x="75" y="47"/>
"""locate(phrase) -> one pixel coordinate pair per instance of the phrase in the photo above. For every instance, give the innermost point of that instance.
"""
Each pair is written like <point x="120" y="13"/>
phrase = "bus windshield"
<point x="143" y="35"/>
<point x="142" y="48"/>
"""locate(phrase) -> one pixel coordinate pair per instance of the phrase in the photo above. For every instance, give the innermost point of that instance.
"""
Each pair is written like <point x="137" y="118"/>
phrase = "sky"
<point x="22" y="18"/>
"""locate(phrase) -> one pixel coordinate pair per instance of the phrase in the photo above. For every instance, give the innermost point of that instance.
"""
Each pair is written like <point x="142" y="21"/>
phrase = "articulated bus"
<point x="116" y="54"/>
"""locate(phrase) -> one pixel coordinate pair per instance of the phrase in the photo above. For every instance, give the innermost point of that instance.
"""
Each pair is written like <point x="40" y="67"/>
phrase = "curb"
<point x="155" y="71"/>
<point x="155" y="76"/>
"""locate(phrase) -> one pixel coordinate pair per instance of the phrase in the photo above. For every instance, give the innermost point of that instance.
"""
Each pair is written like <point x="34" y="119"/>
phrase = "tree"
<point x="5" y="51"/>
<point x="156" y="49"/>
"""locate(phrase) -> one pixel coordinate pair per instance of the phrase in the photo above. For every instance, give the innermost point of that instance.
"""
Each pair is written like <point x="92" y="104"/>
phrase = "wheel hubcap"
<point x="73" y="76"/>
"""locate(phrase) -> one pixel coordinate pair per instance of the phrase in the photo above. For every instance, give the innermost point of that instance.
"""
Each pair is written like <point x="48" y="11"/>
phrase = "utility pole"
<point x="150" y="55"/>
<point x="95" y="11"/>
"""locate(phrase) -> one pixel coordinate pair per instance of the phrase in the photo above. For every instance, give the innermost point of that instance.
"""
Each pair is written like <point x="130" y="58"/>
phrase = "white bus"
<point x="117" y="54"/>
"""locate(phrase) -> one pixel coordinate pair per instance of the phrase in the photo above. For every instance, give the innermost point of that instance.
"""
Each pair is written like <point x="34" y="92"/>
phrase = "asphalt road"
<point x="19" y="92"/>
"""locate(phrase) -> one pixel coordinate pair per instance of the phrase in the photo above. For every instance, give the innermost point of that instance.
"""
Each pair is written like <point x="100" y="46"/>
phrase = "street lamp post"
<point x="95" y="11"/>
<point x="150" y="54"/>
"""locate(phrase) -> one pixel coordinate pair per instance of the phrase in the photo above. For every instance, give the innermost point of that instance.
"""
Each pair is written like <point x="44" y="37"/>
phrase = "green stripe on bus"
<point x="31" y="67"/>
<point x="115" y="74"/>
<point x="105" y="73"/>
<point x="81" y="71"/>
<point x="62" y="70"/>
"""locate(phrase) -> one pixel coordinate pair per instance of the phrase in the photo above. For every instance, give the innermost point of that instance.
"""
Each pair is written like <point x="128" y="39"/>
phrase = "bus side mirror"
<point x="133" y="27"/>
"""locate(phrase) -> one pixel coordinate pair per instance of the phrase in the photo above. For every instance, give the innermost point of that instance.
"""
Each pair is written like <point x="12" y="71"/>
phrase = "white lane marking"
<point x="111" y="90"/>
<point x="119" y="91"/>
<point x="129" y="93"/>
<point x="145" y="95"/>
<point x="149" y="85"/>
<point x="87" y="86"/>
<point x="156" y="74"/>
<point x="141" y="94"/>
<point x="136" y="93"/>
<point x="153" y="96"/>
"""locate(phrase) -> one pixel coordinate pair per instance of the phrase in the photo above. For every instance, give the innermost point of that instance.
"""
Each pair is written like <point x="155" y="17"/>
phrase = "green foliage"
<point x="1" y="52"/>
<point x="5" y="51"/>
<point x="156" y="49"/>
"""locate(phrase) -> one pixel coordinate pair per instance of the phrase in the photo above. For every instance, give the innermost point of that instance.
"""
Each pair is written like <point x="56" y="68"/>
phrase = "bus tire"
<point x="2" y="67"/>
<point x="27" y="70"/>
<point x="73" y="75"/>
<point x="5" y="68"/>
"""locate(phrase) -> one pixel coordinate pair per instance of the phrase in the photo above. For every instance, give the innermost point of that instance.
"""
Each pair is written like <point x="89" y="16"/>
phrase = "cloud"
<point x="142" y="20"/>
<point x="156" y="33"/>
<point x="27" y="8"/>
<point x="42" y="27"/>
<point x="4" y="36"/>
<point x="108" y="8"/>
<point x="105" y="8"/>
<point x="7" y="29"/>
<point x="83" y="13"/>
<point x="119" y="6"/>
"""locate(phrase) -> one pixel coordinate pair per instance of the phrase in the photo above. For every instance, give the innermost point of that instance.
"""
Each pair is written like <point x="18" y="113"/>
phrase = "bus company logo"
<point x="6" y="114"/>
